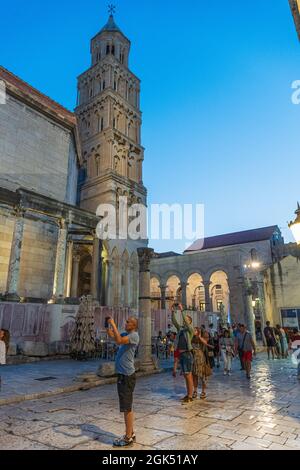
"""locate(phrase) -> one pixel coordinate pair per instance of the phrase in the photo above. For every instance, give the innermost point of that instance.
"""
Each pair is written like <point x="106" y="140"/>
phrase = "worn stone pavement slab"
<point x="260" y="414"/>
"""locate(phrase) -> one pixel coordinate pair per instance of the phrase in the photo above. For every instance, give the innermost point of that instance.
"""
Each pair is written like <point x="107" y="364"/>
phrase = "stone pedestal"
<point x="14" y="261"/>
<point x="145" y="327"/>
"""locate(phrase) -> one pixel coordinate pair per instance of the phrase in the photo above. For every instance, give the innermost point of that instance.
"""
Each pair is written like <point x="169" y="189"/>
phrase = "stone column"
<point x="75" y="274"/>
<point x="208" y="303"/>
<point x="60" y="263"/>
<point x="250" y="318"/>
<point x="96" y="269"/>
<point x="183" y="286"/>
<point x="68" y="277"/>
<point x="145" y="348"/>
<point x="15" y="260"/>
<point x="163" y="297"/>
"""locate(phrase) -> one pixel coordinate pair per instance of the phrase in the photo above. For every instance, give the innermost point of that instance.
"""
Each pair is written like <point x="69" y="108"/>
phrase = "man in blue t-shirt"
<point x="125" y="369"/>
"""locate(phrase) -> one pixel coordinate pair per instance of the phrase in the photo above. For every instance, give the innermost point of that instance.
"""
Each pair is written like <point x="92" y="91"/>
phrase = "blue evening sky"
<point x="219" y="126"/>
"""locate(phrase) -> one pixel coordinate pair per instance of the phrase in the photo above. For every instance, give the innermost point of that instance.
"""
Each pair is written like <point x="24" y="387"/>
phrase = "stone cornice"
<point x="102" y="97"/>
<point x="110" y="177"/>
<point x="31" y="202"/>
<point x="107" y="61"/>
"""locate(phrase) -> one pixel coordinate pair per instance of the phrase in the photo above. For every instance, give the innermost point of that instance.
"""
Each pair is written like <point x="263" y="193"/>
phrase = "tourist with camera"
<point x="125" y="368"/>
<point x="185" y="348"/>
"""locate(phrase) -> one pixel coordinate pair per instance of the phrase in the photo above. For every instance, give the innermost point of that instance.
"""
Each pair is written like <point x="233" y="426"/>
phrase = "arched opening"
<point x="196" y="293"/>
<point x="219" y="293"/>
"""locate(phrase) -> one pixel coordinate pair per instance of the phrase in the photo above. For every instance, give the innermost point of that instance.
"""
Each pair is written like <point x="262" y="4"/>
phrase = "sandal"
<point x="203" y="396"/>
<point x="124" y="441"/>
<point x="195" y="395"/>
<point x="187" y="400"/>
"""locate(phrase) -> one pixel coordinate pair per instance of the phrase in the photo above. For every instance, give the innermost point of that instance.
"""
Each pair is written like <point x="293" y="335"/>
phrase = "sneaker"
<point x="187" y="400"/>
<point x="225" y="373"/>
<point x="229" y="373"/>
<point x="124" y="441"/>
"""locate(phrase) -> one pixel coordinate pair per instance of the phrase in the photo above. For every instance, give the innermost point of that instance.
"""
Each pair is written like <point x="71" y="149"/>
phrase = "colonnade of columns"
<point x="183" y="289"/>
<point x="67" y="261"/>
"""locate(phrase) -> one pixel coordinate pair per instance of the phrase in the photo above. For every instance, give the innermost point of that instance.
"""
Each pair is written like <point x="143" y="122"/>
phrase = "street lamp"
<point x="295" y="226"/>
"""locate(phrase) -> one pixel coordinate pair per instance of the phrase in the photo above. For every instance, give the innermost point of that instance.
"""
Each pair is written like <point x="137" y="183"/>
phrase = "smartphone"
<point x="106" y="324"/>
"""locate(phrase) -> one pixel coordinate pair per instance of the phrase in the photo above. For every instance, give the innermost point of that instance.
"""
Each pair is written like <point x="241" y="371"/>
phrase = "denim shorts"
<point x="186" y="362"/>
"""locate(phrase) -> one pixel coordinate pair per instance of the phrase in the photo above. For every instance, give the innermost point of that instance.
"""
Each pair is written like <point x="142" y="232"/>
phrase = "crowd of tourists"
<point x="199" y="351"/>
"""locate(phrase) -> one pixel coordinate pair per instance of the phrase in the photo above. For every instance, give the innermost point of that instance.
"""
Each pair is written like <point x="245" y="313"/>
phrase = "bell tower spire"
<point x="109" y="121"/>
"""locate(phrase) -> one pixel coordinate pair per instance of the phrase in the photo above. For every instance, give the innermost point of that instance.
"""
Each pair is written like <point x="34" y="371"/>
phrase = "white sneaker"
<point x="229" y="373"/>
<point x="225" y="373"/>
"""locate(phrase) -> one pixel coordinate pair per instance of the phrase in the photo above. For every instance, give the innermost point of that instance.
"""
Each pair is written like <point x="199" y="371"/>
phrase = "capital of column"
<point x="145" y="256"/>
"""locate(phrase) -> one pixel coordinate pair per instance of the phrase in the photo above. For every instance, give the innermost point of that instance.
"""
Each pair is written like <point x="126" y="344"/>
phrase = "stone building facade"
<point x="211" y="276"/>
<point x="282" y="292"/>
<point x="72" y="163"/>
<point x="40" y="156"/>
<point x="109" y="122"/>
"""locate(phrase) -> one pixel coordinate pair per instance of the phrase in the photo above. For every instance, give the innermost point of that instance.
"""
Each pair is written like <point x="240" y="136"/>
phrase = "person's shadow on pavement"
<point x="99" y="434"/>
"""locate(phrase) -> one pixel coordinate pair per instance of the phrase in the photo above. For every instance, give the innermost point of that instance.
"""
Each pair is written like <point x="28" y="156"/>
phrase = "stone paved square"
<point x="238" y="414"/>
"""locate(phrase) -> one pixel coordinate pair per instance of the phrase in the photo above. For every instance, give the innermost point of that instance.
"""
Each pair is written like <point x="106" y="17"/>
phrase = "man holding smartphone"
<point x="125" y="368"/>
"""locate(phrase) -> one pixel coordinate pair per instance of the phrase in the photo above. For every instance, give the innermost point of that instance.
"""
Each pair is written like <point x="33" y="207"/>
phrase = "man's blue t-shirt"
<point x="126" y="353"/>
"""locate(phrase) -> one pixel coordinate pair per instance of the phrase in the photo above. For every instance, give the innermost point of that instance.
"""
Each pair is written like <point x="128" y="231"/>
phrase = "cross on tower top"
<point x="111" y="9"/>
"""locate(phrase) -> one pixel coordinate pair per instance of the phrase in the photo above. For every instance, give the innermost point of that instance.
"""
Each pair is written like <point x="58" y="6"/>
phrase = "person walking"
<point x="246" y="348"/>
<point x="284" y="347"/>
<point x="201" y="367"/>
<point x="270" y="339"/>
<point x="185" y="335"/>
<point x="210" y="348"/>
<point x="125" y="368"/>
<point x="227" y="351"/>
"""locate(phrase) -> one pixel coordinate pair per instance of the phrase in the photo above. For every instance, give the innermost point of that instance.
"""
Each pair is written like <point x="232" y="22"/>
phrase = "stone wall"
<point x="282" y="288"/>
<point x="36" y="153"/>
<point x="45" y="330"/>
<point x="38" y="260"/>
<point x="37" y="257"/>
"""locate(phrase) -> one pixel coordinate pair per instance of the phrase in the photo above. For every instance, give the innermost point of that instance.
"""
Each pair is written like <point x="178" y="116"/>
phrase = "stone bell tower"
<point x="109" y="120"/>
